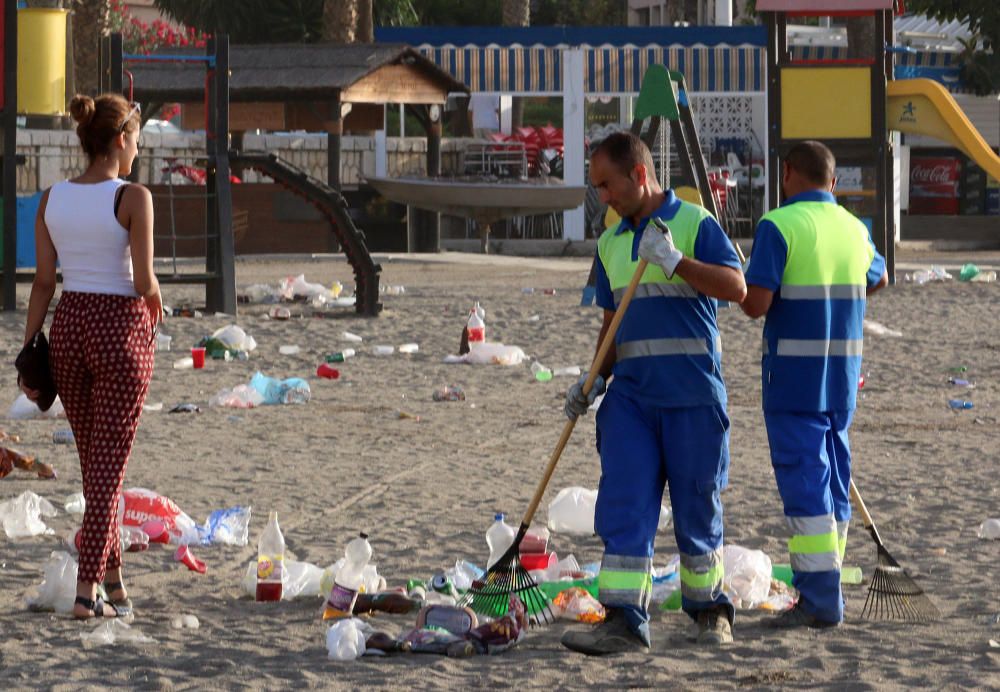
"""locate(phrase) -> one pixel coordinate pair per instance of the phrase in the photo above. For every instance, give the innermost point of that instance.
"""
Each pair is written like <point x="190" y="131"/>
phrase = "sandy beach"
<point x="425" y="486"/>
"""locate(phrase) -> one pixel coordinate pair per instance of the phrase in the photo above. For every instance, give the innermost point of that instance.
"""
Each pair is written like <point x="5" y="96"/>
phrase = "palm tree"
<point x="516" y="13"/>
<point x="90" y="22"/>
<point x="340" y="20"/>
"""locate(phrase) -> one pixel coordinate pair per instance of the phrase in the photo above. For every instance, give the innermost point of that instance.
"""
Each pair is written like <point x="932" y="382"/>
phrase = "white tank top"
<point x="92" y="247"/>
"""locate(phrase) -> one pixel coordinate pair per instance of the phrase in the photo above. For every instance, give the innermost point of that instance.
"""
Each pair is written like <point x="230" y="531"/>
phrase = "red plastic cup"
<point x="156" y="531"/>
<point x="327" y="371"/>
<point x="185" y="556"/>
<point x="198" y="356"/>
<point x="532" y="561"/>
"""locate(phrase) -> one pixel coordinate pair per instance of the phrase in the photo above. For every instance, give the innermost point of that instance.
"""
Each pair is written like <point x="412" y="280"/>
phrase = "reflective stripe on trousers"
<point x="625" y="580"/>
<point x="815" y="543"/>
<point x="665" y="347"/>
<point x="701" y="576"/>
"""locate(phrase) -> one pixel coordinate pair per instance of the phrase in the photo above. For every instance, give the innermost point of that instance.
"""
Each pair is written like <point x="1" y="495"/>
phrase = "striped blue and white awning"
<point x="941" y="66"/>
<point x="607" y="69"/>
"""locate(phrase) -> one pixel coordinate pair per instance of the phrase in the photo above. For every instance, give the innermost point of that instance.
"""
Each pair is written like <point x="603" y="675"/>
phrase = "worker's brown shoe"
<point x="798" y="617"/>
<point x="714" y="628"/>
<point x="613" y="636"/>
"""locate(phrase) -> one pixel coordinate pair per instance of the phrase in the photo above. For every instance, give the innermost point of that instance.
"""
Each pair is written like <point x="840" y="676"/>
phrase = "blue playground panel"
<point x="27" y="207"/>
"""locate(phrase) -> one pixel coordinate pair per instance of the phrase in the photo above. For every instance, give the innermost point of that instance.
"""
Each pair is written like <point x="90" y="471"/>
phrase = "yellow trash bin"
<point x="41" y="61"/>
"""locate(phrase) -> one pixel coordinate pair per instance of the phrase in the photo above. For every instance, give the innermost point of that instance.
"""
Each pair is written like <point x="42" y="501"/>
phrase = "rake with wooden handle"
<point x="892" y="594"/>
<point x="507" y="577"/>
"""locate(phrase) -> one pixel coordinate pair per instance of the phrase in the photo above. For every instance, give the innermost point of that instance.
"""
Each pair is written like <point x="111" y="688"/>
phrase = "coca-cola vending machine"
<point x="934" y="184"/>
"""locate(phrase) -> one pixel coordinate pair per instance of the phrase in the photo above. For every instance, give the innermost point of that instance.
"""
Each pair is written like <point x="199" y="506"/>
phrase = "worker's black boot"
<point x="613" y="636"/>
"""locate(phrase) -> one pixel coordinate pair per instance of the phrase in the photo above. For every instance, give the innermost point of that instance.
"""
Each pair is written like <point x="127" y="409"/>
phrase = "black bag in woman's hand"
<point x="32" y="365"/>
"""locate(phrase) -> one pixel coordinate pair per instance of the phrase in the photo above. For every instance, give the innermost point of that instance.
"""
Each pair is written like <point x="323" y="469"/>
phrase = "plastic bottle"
<point x="541" y="373"/>
<point x="270" y="561"/>
<point x="477" y="325"/>
<point x="340" y="356"/>
<point x="383" y="350"/>
<point x="349" y="579"/>
<point x="499" y="538"/>
<point x="288" y="350"/>
<point x="959" y="404"/>
<point x="63" y="437"/>
<point x="989" y="529"/>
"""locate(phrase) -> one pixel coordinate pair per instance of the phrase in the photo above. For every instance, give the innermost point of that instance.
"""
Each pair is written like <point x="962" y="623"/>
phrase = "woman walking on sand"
<point x="100" y="229"/>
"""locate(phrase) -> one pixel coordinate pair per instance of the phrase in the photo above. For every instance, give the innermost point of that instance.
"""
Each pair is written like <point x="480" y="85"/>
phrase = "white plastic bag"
<point x="234" y="338"/>
<point x="490" y="352"/>
<point x="747" y="579"/>
<point x="24" y="408"/>
<point x="345" y="640"/>
<point x="240" y="396"/>
<point x="22" y="516"/>
<point x="58" y="588"/>
<point x="572" y="512"/>
<point x="989" y="530"/>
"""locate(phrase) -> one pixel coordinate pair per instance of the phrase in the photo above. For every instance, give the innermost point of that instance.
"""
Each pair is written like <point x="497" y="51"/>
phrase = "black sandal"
<point x="96" y="606"/>
<point x="123" y="606"/>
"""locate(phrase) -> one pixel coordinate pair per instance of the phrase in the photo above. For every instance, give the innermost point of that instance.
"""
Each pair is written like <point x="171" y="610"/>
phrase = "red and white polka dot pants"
<point x="101" y="353"/>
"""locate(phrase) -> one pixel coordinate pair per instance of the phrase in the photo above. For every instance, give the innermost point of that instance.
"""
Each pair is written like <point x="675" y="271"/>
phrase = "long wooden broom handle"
<point x="859" y="504"/>
<point x="595" y="370"/>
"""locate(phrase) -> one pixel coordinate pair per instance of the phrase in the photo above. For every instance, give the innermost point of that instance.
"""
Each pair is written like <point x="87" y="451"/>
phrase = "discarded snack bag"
<point x="503" y="633"/>
<point x="576" y="603"/>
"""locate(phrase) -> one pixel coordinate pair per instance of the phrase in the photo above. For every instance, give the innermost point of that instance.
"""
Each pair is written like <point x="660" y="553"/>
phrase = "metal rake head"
<point x="894" y="595"/>
<point x="491" y="595"/>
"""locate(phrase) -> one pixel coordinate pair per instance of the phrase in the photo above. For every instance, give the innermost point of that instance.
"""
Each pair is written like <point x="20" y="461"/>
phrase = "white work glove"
<point x="576" y="403"/>
<point x="657" y="247"/>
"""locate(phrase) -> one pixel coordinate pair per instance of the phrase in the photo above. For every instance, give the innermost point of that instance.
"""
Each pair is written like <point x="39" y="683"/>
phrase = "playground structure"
<point x="486" y="202"/>
<point x="851" y="104"/>
<point x="8" y="123"/>
<point x="331" y="204"/>
<point x="219" y="274"/>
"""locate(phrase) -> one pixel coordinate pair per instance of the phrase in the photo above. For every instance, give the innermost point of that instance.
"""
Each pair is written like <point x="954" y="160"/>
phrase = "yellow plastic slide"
<point x="922" y="106"/>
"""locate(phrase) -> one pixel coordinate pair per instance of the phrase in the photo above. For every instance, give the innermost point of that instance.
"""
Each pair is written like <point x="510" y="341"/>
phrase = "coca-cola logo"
<point x="932" y="174"/>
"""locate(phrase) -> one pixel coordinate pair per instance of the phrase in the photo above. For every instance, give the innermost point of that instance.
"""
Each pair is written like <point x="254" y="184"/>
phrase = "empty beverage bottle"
<point x="270" y="561"/>
<point x="499" y="537"/>
<point x="349" y="579"/>
<point x="959" y="404"/>
<point x="340" y="356"/>
<point x="477" y="328"/>
<point x="63" y="437"/>
<point x="541" y="373"/>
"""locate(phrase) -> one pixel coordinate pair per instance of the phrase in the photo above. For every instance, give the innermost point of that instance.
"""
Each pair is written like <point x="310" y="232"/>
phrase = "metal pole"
<point x="224" y="200"/>
<point x="9" y="124"/>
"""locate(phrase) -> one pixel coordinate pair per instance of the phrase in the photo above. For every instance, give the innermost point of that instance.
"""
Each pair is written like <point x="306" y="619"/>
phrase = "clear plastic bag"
<point x="24" y="408"/>
<point x="240" y="396"/>
<point x="345" y="640"/>
<point x="747" y="579"/>
<point x="229" y="526"/>
<point x="22" y="516"/>
<point x="58" y="588"/>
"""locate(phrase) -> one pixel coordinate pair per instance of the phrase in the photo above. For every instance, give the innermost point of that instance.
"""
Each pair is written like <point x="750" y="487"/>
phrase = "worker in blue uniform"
<point x="812" y="267"/>
<point x="663" y="419"/>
